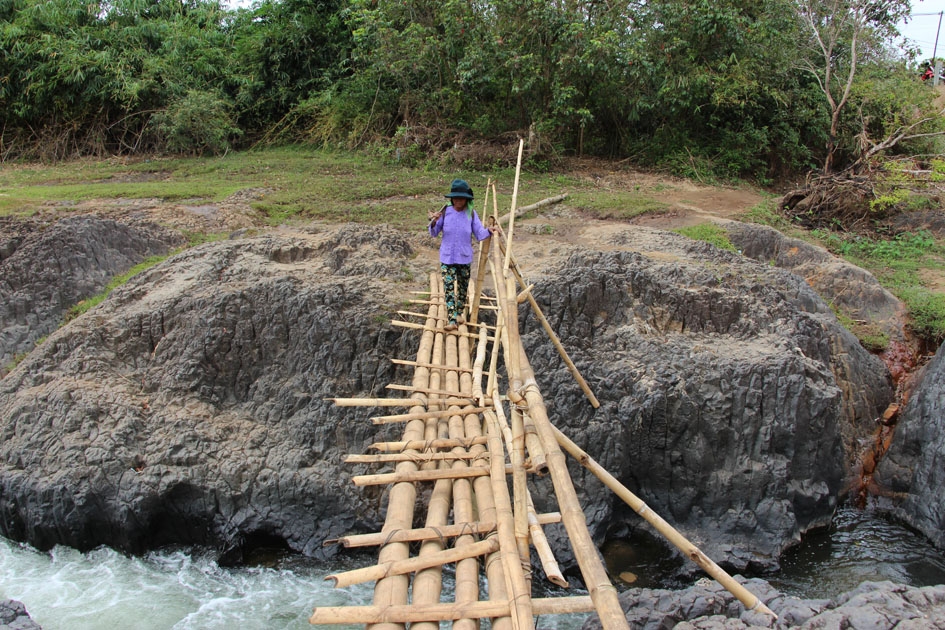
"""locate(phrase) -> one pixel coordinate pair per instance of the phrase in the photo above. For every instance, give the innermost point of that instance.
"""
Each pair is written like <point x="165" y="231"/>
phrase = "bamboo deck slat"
<point x="445" y="612"/>
<point x="428" y="533"/>
<point x="451" y="368"/>
<point x="414" y="476"/>
<point x="423" y="415"/>
<point x="424" y="445"/>
<point x="412" y="457"/>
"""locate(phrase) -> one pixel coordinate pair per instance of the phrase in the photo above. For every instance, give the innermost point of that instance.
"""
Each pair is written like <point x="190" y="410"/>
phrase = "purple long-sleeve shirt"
<point x="457" y="227"/>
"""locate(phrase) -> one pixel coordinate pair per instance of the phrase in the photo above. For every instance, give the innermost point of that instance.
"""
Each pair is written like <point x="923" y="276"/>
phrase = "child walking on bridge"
<point x="458" y="223"/>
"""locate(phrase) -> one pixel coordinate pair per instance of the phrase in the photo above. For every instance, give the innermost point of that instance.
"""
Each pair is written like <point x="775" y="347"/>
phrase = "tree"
<point x="841" y="31"/>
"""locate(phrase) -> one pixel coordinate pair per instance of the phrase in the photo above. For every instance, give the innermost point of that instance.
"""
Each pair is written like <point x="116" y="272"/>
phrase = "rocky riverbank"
<point x="190" y="406"/>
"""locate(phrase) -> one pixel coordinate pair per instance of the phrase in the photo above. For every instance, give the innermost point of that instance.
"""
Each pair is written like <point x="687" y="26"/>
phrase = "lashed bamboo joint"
<point x="472" y="449"/>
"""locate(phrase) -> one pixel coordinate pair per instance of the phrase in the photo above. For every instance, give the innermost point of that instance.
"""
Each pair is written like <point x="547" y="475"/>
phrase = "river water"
<point x="103" y="589"/>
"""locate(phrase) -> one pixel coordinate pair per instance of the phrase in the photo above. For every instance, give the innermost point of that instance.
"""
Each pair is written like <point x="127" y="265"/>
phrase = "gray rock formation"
<point x="189" y="407"/>
<point x="45" y="270"/>
<point x="911" y="477"/>
<point x="720" y="399"/>
<point x="13" y="616"/>
<point x="708" y="606"/>
<point x="848" y="289"/>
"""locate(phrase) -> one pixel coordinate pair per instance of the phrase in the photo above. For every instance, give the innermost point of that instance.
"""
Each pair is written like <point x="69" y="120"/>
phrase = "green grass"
<point x="708" y="232"/>
<point x="89" y="303"/>
<point x="301" y="184"/>
<point x="897" y="264"/>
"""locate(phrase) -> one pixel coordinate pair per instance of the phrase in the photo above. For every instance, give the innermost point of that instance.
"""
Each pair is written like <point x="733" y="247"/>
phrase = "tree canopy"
<point x="736" y="88"/>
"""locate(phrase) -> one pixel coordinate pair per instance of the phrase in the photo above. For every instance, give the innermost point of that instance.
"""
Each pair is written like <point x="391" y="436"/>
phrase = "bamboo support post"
<point x="746" y="597"/>
<point x="518" y="172"/>
<point x="585" y="551"/>
<point x="444" y="612"/>
<point x="511" y="561"/>
<point x="412" y="565"/>
<point x="425" y="445"/>
<point x="428" y="533"/>
<point x="481" y="267"/>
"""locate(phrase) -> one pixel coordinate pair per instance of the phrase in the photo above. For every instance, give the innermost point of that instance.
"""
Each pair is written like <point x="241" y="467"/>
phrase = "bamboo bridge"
<point x="462" y="442"/>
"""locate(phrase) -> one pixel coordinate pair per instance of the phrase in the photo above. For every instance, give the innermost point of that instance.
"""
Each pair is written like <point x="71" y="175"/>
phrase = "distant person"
<point x="928" y="74"/>
<point x="458" y="223"/>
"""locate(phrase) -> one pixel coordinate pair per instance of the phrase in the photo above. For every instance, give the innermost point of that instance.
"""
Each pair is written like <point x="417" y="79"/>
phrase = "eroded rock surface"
<point x="720" y="401"/>
<point x="190" y="406"/>
<point x="45" y="270"/>
<point x="911" y="478"/>
<point x="708" y="606"/>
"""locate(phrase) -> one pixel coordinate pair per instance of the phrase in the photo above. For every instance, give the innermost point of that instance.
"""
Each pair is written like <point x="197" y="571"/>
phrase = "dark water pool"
<point x="860" y="546"/>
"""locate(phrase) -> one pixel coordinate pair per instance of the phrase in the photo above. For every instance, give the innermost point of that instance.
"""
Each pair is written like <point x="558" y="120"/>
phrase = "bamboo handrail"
<point x="746" y="597"/>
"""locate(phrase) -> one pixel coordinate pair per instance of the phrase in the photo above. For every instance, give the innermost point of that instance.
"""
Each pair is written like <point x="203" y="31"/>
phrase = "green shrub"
<point x="199" y="122"/>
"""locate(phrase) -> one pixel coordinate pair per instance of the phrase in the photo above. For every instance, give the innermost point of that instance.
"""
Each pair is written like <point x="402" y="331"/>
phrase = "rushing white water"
<point x="180" y="590"/>
<point x="103" y="589"/>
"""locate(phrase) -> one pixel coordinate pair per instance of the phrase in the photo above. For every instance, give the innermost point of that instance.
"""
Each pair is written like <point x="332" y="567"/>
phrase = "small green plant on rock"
<point x="710" y="233"/>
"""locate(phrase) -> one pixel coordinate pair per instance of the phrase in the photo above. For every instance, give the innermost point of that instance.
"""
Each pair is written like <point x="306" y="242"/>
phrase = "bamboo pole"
<point x="428" y="533"/>
<point x="416" y="476"/>
<point x="536" y="452"/>
<point x="536" y="309"/>
<point x="428" y="581"/>
<point x="467" y="570"/>
<point x="537" y="534"/>
<point x="746" y="597"/>
<point x="469" y="323"/>
<point x="538" y="204"/>
<point x="393" y="591"/>
<point x="412" y="565"/>
<point x="444" y="612"/>
<point x="422" y="415"/>
<point x="545" y="555"/>
<point x="420" y="458"/>
<point x="414" y="326"/>
<point x="511" y="560"/>
<point x="481" y="267"/>
<point x="518" y="171"/>
<point x="379" y="402"/>
<point x="585" y="552"/>
<point x="458" y="398"/>
<point x="429" y="365"/>
<point x="485" y="496"/>
<point x="423" y="445"/>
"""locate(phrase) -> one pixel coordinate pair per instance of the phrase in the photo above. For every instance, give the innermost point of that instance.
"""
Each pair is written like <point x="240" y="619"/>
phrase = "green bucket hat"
<point x="459" y="188"/>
